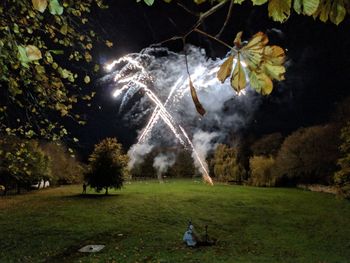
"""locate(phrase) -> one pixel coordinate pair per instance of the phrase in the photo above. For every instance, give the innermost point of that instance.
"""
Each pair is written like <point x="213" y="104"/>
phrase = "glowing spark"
<point x="110" y="66"/>
<point x="155" y="115"/>
<point x="167" y="118"/>
<point x="117" y="92"/>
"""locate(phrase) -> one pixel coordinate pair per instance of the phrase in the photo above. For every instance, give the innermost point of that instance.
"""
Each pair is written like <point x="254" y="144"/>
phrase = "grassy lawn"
<point x="145" y="222"/>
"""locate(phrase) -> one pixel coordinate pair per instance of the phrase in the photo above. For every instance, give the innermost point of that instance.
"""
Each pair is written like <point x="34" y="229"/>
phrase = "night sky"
<point x="318" y="64"/>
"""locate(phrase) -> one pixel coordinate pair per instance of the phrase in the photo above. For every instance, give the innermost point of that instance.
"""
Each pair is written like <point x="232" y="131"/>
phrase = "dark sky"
<point x="318" y="66"/>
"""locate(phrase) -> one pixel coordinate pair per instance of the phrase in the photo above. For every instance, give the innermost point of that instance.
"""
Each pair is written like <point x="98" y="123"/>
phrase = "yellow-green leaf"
<point x="195" y="99"/>
<point x="33" y="53"/>
<point x="338" y="12"/>
<point x="88" y="57"/>
<point x="238" y="1"/>
<point x="238" y="79"/>
<point x="109" y="43"/>
<point x="279" y="10"/>
<point x="274" y="71"/>
<point x="260" y="82"/>
<point x="64" y="29"/>
<point x="323" y="10"/>
<point x="308" y="7"/>
<point x="14" y="87"/>
<point x="40" y="5"/>
<point x="254" y="50"/>
<point x="259" y="2"/>
<point x="22" y="56"/>
<point x="257" y="41"/>
<point x="238" y="39"/>
<point x="40" y="69"/>
<point x="274" y="54"/>
<point x="225" y="69"/>
<point x="55" y="7"/>
<point x="87" y="79"/>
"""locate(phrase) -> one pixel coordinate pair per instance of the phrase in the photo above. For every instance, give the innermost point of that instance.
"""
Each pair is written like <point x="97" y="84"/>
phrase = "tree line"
<point x="318" y="154"/>
<point x="24" y="163"/>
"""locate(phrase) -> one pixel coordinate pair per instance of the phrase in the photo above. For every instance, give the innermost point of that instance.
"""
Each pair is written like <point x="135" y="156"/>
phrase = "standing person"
<point x="84" y="188"/>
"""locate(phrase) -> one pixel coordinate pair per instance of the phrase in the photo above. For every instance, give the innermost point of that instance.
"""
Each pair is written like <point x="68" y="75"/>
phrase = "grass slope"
<point x="145" y="222"/>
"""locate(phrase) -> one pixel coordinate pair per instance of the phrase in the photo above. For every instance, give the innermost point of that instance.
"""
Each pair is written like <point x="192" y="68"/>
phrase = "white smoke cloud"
<point x="162" y="163"/>
<point x="137" y="154"/>
<point x="164" y="73"/>
<point x="203" y="143"/>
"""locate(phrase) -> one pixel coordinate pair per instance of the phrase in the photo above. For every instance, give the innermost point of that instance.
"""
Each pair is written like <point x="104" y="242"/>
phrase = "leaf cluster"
<point x="280" y="10"/>
<point x="41" y="44"/>
<point x="22" y="161"/>
<point x="255" y="62"/>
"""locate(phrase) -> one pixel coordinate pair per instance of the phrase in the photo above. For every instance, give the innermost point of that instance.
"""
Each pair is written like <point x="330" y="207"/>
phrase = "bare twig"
<point x="186" y="60"/>
<point x="212" y="37"/>
<point x="194" y="28"/>
<point x="229" y="14"/>
<point x="188" y="10"/>
<point x="174" y="38"/>
<point x="208" y="13"/>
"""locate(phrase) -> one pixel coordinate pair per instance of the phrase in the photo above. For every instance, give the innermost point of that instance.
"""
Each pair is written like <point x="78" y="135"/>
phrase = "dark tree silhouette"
<point x="107" y="166"/>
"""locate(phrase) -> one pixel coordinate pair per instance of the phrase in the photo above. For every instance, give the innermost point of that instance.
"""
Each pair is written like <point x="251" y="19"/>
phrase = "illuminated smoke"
<point x="160" y="76"/>
<point x="162" y="162"/>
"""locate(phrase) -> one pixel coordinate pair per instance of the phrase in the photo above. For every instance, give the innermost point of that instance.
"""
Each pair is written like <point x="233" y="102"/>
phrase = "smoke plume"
<point x="162" y="162"/>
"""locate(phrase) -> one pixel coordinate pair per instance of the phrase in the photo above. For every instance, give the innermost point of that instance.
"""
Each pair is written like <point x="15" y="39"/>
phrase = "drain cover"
<point x="91" y="248"/>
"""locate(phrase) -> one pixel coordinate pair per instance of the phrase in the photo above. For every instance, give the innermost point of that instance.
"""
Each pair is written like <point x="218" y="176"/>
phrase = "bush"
<point x="261" y="171"/>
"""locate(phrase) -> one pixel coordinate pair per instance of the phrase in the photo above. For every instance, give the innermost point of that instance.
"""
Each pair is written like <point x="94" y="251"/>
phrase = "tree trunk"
<point x="106" y="193"/>
<point x="18" y="188"/>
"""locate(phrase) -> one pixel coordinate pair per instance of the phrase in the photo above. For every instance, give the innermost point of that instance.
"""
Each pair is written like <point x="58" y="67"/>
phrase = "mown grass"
<point x="145" y="222"/>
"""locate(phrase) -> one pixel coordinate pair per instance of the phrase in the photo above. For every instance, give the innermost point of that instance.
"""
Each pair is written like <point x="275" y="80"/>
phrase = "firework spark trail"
<point x="155" y="115"/>
<point x="167" y="118"/>
<point x="206" y="175"/>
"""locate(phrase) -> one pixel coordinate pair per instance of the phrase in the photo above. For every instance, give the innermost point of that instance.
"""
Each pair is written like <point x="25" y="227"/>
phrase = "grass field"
<point x="145" y="222"/>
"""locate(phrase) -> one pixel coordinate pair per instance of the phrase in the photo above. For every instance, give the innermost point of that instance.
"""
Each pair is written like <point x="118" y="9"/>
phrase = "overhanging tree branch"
<point x="229" y="14"/>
